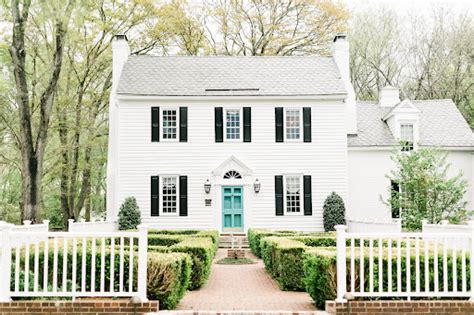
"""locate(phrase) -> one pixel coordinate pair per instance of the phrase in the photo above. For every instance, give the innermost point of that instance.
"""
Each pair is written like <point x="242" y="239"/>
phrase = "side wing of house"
<point x="381" y="127"/>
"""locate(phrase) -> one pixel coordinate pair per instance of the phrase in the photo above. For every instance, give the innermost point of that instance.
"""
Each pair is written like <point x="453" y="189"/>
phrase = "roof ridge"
<point x="231" y="57"/>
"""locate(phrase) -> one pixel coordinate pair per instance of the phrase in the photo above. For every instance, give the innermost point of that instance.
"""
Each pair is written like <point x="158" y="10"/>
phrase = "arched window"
<point x="232" y="175"/>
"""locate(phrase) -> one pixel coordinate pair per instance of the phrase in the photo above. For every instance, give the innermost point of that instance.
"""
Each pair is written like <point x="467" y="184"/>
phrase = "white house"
<point x="230" y="143"/>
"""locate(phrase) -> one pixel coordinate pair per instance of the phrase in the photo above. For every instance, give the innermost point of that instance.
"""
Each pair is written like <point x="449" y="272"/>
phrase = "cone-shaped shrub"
<point x="129" y="214"/>
<point x="334" y="212"/>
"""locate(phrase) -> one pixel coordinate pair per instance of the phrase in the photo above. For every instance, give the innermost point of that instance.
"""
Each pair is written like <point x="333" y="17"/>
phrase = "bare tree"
<point x="268" y="27"/>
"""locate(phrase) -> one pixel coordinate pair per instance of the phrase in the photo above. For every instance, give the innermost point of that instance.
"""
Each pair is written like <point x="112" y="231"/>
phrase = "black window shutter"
<point x="394" y="194"/>
<point x="218" y="126"/>
<point x="183" y="124"/>
<point x="308" y="203"/>
<point x="155" y="124"/>
<point x="279" y="195"/>
<point x="183" y="196"/>
<point x="247" y="124"/>
<point x="307" y="124"/>
<point x="279" y="124"/>
<point x="155" y="196"/>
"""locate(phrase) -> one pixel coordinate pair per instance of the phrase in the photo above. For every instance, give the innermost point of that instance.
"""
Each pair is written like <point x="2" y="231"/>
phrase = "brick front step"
<point x="240" y="240"/>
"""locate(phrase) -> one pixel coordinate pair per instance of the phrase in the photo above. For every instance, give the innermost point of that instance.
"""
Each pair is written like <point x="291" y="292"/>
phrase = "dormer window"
<point x="407" y="137"/>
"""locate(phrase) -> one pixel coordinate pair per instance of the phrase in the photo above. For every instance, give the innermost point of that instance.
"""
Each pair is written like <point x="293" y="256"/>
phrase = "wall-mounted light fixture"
<point x="256" y="186"/>
<point x="207" y="186"/>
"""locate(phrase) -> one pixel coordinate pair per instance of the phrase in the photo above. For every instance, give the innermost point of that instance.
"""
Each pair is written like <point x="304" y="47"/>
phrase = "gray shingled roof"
<point x="441" y="124"/>
<point x="189" y="76"/>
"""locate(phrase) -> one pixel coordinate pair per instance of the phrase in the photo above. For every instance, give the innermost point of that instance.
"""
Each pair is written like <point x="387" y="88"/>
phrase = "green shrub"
<point x="256" y="235"/>
<point x="168" y="278"/>
<point x="164" y="239"/>
<point x="283" y="258"/>
<point x="334" y="212"/>
<point x="129" y="214"/>
<point x="202" y="251"/>
<point x="174" y="232"/>
<point x="168" y="274"/>
<point x="317" y="241"/>
<point x="320" y="272"/>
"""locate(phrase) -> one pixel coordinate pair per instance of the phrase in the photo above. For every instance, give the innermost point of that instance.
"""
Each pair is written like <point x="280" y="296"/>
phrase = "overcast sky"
<point x="410" y="5"/>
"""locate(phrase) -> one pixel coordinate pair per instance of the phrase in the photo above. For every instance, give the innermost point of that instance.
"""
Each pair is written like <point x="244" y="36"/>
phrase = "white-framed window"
<point x="233" y="124"/>
<point x="169" y="124"/>
<point x="293" y="194"/>
<point x="407" y="136"/>
<point x="293" y="124"/>
<point x="169" y="195"/>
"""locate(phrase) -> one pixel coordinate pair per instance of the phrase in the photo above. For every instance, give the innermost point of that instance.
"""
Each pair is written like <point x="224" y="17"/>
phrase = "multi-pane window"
<point x="293" y="124"/>
<point x="293" y="194"/>
<point x="406" y="136"/>
<point x="169" y="193"/>
<point x="232" y="124"/>
<point x="169" y="123"/>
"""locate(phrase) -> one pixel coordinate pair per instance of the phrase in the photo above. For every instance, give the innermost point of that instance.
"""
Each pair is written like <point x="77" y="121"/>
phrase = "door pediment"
<point x="232" y="164"/>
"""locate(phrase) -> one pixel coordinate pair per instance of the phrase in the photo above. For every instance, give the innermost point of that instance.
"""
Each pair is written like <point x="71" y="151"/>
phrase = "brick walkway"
<point x="243" y="288"/>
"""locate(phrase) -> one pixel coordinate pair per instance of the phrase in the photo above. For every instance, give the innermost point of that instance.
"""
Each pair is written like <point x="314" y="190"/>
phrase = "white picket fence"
<point x="394" y="226"/>
<point x="103" y="226"/>
<point x="67" y="264"/>
<point x="379" y="258"/>
<point x="27" y="227"/>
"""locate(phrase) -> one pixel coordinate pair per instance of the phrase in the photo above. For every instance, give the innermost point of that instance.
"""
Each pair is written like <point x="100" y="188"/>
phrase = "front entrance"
<point x="232" y="209"/>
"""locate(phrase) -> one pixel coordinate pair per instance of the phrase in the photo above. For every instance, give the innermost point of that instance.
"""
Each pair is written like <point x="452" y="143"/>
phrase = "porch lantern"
<point x="256" y="186"/>
<point x="207" y="186"/>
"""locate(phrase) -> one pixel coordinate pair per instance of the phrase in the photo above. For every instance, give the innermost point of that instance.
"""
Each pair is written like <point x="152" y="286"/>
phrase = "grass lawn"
<point x="235" y="261"/>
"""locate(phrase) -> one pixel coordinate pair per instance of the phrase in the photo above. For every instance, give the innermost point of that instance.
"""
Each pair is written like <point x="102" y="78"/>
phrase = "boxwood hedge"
<point x="167" y="280"/>
<point x="283" y="258"/>
<point x="320" y="272"/>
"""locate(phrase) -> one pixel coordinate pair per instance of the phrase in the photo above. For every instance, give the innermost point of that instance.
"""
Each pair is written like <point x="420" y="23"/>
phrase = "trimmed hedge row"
<point x="200" y="245"/>
<point x="320" y="273"/>
<point x="167" y="280"/>
<point x="213" y="234"/>
<point x="283" y="258"/>
<point x="256" y="235"/>
<point x="307" y="262"/>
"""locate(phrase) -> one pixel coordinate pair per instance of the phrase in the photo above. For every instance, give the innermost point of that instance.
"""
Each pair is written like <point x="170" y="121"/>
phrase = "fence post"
<point x="69" y="225"/>
<point x="5" y="261"/>
<point x="46" y="224"/>
<point x="142" y="261"/>
<point x="471" y="260"/>
<point x="341" y="262"/>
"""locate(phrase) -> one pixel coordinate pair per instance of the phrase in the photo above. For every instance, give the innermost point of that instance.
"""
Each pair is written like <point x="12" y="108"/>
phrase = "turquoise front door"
<point x="232" y="208"/>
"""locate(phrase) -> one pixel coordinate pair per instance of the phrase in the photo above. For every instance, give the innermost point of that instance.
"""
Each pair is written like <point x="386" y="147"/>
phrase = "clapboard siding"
<point x="325" y="159"/>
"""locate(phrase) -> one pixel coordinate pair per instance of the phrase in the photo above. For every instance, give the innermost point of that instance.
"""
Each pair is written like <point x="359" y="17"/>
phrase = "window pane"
<point x="169" y="124"/>
<point x="293" y="194"/>
<point x="169" y="195"/>
<point x="406" y="132"/>
<point x="233" y="124"/>
<point x="293" y="124"/>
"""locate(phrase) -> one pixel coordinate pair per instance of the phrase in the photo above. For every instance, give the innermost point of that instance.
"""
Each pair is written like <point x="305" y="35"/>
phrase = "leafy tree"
<point x="334" y="212"/>
<point x="426" y="190"/>
<point x="129" y="214"/>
